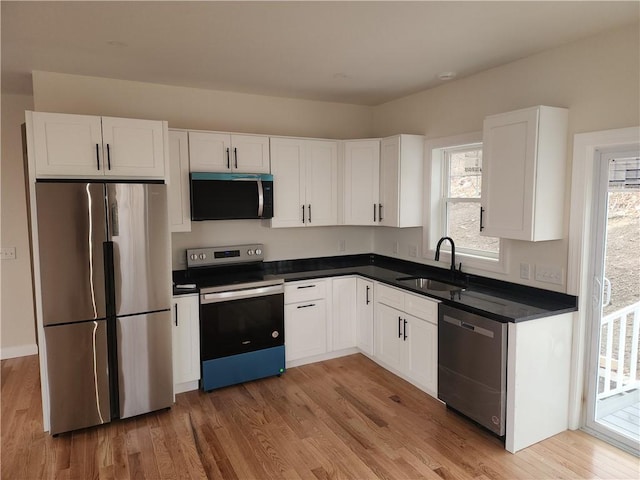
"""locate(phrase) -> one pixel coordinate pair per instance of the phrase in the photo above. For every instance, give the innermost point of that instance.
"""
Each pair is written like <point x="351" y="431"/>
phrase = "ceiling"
<point x="351" y="52"/>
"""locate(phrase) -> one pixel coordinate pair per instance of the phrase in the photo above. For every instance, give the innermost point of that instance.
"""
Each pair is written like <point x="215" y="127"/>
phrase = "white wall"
<point x="597" y="79"/>
<point x="280" y="243"/>
<point x="198" y="109"/>
<point x="17" y="324"/>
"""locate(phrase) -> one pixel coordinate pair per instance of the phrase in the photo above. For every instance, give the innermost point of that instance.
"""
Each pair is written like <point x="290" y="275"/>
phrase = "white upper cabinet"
<point x="523" y="177"/>
<point x="401" y="181"/>
<point x="361" y="181"/>
<point x="305" y="182"/>
<point x="225" y="152"/>
<point x="66" y="145"/>
<point x="178" y="188"/>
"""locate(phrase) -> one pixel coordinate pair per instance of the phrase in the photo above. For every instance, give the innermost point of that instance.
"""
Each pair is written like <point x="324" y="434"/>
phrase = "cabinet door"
<point x="209" y="152"/>
<point x="67" y="145"/>
<point x="364" y="315"/>
<point x="361" y="182"/>
<point x="344" y="313"/>
<point x="321" y="182"/>
<point x="508" y="170"/>
<point x="388" y="335"/>
<point x="420" y="352"/>
<point x="389" y="181"/>
<point x="401" y="180"/>
<point x="305" y="329"/>
<point x="250" y="153"/>
<point x="289" y="177"/>
<point x="133" y="148"/>
<point x="178" y="188"/>
<point x="186" y="339"/>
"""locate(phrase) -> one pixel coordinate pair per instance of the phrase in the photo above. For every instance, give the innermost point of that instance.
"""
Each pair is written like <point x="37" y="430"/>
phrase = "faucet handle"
<point x="460" y="267"/>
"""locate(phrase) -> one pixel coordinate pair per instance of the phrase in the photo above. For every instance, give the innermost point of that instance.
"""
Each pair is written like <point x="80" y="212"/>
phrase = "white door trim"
<point x="580" y="225"/>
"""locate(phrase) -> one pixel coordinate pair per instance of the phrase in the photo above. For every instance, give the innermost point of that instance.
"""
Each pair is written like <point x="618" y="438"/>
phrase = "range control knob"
<point x="193" y="256"/>
<point x="258" y="251"/>
<point x="250" y="252"/>
<point x="203" y="256"/>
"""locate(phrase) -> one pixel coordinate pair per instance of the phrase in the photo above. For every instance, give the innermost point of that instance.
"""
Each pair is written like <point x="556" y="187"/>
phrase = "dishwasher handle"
<point x="468" y="326"/>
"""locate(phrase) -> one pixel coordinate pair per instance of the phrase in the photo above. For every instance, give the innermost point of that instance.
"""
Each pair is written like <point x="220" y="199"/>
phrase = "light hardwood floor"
<point x="344" y="418"/>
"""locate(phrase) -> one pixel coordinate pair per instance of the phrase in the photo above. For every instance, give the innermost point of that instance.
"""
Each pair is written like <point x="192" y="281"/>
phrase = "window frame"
<point x="434" y="212"/>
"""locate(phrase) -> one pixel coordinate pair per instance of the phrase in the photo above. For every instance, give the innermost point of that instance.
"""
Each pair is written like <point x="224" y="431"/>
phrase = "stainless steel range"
<point x="241" y="315"/>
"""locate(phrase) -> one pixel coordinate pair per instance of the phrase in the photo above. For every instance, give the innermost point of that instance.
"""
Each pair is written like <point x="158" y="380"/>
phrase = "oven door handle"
<point x="240" y="294"/>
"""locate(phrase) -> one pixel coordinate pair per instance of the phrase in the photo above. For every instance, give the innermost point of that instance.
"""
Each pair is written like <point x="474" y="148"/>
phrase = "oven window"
<point x="239" y="326"/>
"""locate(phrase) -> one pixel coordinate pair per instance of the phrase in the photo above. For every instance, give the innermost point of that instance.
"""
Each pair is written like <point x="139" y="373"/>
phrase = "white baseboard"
<point x="322" y="357"/>
<point x="185" y="387"/>
<point x="18" y="351"/>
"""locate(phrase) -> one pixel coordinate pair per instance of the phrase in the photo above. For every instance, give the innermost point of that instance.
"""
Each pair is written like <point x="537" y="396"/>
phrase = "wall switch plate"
<point x="413" y="250"/>
<point x="8" y="253"/>
<point x="549" y="274"/>
<point x="525" y="271"/>
<point x="343" y="245"/>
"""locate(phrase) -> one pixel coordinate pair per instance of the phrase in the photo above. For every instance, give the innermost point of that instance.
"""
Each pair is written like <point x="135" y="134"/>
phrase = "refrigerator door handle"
<point x="115" y="226"/>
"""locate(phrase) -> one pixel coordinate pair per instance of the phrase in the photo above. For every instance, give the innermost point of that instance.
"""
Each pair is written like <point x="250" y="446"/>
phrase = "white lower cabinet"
<point x="329" y="317"/>
<point x="343" y="319"/>
<point x="389" y="335"/>
<point x="364" y="315"/>
<point x="406" y="336"/>
<point x="421" y="352"/>
<point x="305" y="329"/>
<point x="186" y="342"/>
<point x="305" y="319"/>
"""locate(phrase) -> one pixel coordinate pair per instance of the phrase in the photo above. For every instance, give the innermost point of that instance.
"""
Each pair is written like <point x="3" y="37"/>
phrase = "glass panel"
<point x="465" y="170"/>
<point x="618" y="400"/>
<point x="463" y="225"/>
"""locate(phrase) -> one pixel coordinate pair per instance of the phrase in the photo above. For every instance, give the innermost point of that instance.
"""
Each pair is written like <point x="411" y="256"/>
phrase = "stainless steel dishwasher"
<point x="472" y="366"/>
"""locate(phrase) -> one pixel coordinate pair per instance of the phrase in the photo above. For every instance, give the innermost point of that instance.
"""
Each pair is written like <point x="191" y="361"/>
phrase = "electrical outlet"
<point x="8" y="253"/>
<point x="413" y="250"/>
<point x="525" y="271"/>
<point x="396" y="247"/>
<point x="549" y="274"/>
<point x="343" y="245"/>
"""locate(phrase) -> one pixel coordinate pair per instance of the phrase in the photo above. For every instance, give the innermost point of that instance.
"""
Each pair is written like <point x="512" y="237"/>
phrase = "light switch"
<point x="8" y="253"/>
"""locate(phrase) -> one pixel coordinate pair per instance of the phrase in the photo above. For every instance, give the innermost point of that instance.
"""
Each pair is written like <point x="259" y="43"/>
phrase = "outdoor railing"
<point x="619" y="371"/>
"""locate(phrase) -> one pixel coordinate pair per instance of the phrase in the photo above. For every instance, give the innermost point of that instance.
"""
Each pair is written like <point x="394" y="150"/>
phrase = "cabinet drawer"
<point x="304" y="291"/>
<point x="389" y="296"/>
<point x="421" y="307"/>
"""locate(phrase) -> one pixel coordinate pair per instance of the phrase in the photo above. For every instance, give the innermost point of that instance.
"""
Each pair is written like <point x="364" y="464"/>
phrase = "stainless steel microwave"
<point x="231" y="196"/>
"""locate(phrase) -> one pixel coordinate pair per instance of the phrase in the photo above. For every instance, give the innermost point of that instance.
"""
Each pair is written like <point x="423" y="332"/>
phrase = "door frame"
<point x="581" y="224"/>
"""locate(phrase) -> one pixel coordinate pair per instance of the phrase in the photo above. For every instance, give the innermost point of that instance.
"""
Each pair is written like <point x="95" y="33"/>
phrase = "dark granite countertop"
<point x="501" y="301"/>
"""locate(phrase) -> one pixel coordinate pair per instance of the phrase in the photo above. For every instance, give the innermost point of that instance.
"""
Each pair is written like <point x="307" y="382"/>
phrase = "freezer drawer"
<point x="145" y="368"/>
<point x="78" y="375"/>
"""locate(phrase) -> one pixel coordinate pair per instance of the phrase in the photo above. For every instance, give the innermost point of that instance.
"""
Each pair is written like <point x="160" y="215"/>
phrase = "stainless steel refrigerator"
<point x="105" y="277"/>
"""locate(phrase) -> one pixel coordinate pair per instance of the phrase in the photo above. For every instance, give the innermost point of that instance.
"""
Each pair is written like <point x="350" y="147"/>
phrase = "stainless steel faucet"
<point x="453" y="255"/>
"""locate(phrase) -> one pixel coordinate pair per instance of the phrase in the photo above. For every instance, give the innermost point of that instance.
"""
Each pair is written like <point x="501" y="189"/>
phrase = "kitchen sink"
<point x="430" y="284"/>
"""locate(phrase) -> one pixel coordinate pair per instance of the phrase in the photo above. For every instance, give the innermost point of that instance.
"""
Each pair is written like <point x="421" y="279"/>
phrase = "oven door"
<point x="241" y="321"/>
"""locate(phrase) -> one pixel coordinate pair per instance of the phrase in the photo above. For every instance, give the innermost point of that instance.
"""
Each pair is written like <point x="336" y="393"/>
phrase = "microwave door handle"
<point x="260" y="198"/>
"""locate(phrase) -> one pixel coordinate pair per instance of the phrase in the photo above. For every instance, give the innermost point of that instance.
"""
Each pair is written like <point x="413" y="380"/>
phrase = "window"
<point x="453" y="181"/>
<point x="462" y="182"/>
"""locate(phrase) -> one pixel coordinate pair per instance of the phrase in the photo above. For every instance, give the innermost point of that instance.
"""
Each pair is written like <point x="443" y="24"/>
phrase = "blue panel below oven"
<point x="243" y="367"/>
